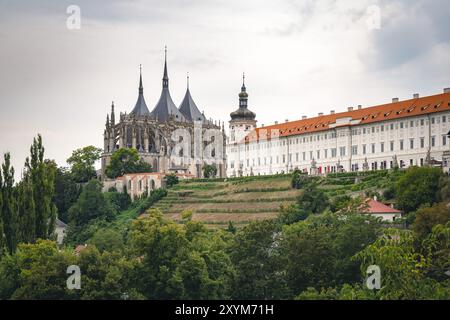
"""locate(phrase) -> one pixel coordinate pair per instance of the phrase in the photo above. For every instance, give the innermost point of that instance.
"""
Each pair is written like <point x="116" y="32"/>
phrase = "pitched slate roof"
<point x="385" y="112"/>
<point x="189" y="109"/>
<point x="140" y="109"/>
<point x="165" y="106"/>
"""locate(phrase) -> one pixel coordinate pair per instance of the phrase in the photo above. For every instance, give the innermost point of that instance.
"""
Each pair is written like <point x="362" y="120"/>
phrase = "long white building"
<point x="402" y="133"/>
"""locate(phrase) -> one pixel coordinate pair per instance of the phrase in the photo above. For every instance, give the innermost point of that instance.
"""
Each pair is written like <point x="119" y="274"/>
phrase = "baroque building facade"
<point x="157" y="134"/>
<point x="399" y="134"/>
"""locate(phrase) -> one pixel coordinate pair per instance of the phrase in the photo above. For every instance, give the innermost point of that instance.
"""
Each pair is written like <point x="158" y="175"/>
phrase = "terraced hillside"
<point x="242" y="200"/>
<point x="239" y="201"/>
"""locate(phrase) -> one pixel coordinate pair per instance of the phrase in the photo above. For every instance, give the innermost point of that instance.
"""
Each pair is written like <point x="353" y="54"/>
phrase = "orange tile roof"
<point x="385" y="112"/>
<point x="378" y="207"/>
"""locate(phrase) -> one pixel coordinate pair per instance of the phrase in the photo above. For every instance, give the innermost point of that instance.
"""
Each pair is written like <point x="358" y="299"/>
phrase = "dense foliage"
<point x="126" y="160"/>
<point x="317" y="248"/>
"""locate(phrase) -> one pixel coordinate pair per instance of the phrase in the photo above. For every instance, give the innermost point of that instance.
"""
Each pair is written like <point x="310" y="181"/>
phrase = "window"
<point x="392" y="145"/>
<point x="392" y="126"/>
<point x="422" y="122"/>
<point x="411" y="162"/>
<point x="310" y="155"/>
<point x="364" y="149"/>
<point x="422" y="143"/>
<point x="296" y="157"/>
<point x="304" y="156"/>
<point x="354" y="150"/>
<point x="411" y="143"/>
<point x="364" y="131"/>
<point x="382" y="128"/>
<point x="432" y="120"/>
<point x="373" y="147"/>
<point x="444" y="119"/>
<point x="401" y="125"/>
<point x="382" y="147"/>
<point x="333" y="152"/>
<point x="444" y="140"/>
<point x="433" y="141"/>
<point x="284" y="158"/>
<point x="411" y="124"/>
<point x="373" y="129"/>
<point x="326" y="153"/>
<point x="232" y="164"/>
<point x="318" y="154"/>
<point x="401" y="144"/>
<point x="342" y="151"/>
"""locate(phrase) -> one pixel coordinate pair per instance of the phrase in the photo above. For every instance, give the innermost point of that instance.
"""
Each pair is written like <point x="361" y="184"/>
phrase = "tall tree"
<point x="9" y="212"/>
<point x="91" y="204"/>
<point x="82" y="163"/>
<point x="67" y="192"/>
<point x="26" y="211"/>
<point x="42" y="175"/>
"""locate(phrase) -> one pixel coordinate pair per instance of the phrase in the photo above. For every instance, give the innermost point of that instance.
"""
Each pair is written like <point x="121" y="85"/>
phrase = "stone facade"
<point x="155" y="134"/>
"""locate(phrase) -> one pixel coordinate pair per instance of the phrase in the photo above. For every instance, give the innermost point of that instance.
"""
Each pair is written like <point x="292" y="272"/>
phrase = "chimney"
<point x="394" y="100"/>
<point x="276" y="122"/>
<point x="359" y="107"/>
<point x="304" y="117"/>
<point x="287" y="120"/>
<point x="320" y="114"/>
<point x="416" y="96"/>
<point x="262" y="125"/>
<point x="350" y="108"/>
<point x="447" y="90"/>
<point x="332" y="112"/>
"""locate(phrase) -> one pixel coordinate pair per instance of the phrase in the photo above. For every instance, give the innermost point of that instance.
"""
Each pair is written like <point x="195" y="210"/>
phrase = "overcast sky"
<point x="299" y="57"/>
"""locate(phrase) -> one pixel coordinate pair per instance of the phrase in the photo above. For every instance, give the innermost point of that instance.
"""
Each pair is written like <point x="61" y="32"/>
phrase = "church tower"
<point x="242" y="120"/>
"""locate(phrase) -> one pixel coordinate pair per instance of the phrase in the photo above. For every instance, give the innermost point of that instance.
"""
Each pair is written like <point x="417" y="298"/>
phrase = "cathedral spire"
<point x="113" y="117"/>
<point x="141" y="88"/>
<point x="107" y="120"/>
<point x="187" y="80"/>
<point x="165" y="77"/>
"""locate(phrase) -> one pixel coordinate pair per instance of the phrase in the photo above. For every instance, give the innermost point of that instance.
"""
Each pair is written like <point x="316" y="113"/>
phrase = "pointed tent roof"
<point x="165" y="106"/>
<point x="140" y="109"/>
<point x="188" y="107"/>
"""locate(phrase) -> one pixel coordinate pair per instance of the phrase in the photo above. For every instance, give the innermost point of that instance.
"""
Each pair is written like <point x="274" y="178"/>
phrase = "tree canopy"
<point x="126" y="160"/>
<point x="82" y="163"/>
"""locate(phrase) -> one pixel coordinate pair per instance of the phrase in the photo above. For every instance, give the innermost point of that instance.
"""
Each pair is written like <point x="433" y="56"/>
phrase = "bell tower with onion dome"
<point x="242" y="120"/>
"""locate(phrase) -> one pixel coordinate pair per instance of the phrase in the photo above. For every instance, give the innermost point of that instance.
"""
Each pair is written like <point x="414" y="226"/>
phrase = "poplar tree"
<point x="9" y="212"/>
<point x="42" y="177"/>
<point x="26" y="211"/>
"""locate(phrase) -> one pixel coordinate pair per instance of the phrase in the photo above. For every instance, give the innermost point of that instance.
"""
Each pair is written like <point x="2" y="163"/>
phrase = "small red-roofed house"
<point x="378" y="209"/>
